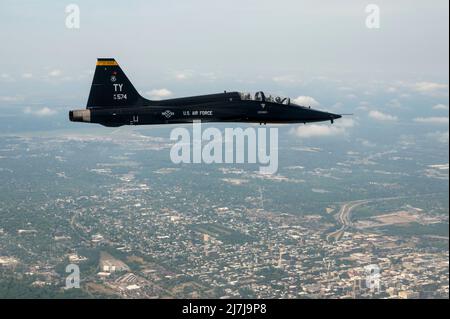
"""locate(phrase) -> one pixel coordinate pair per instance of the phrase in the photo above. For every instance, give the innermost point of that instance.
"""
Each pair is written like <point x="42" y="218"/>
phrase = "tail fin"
<point x="111" y="87"/>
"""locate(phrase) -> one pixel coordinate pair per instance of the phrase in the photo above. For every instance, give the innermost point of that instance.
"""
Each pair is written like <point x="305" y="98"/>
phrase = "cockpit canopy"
<point x="260" y="96"/>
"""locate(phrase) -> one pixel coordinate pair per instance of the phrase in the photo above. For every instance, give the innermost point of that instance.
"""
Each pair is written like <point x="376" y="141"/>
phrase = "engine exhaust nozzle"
<point x="80" y="115"/>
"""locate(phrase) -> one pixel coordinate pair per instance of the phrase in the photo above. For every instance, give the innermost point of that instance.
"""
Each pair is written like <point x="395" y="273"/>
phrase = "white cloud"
<point x="306" y="101"/>
<point x="321" y="130"/>
<point x="362" y="108"/>
<point x="380" y="116"/>
<point x="431" y="88"/>
<point x="351" y="96"/>
<point x="210" y="76"/>
<point x="286" y="79"/>
<point x="55" y="73"/>
<point x="441" y="137"/>
<point x="337" y="106"/>
<point x="5" y="77"/>
<point x="10" y="98"/>
<point x="391" y="89"/>
<point x="180" y="76"/>
<point x="440" y="107"/>
<point x="345" y="88"/>
<point x="27" y="75"/>
<point x="159" y="93"/>
<point x="184" y="75"/>
<point x="45" y="111"/>
<point x="366" y="143"/>
<point x="432" y="120"/>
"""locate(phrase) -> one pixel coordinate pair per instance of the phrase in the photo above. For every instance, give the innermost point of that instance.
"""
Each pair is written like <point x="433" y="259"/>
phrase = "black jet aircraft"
<point x="113" y="101"/>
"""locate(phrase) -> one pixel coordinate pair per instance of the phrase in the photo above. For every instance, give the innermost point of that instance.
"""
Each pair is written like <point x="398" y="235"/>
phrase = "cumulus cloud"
<point x="380" y="116"/>
<point x="306" y="101"/>
<point x="322" y="130"/>
<point x="45" y="111"/>
<point x="431" y="88"/>
<point x="159" y="93"/>
<point x="440" y="107"/>
<point x="432" y="120"/>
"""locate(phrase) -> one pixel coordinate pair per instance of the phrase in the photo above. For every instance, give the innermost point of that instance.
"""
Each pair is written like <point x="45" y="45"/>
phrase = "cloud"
<point x="431" y="88"/>
<point x="55" y="73"/>
<point x="337" y="105"/>
<point x="432" y="120"/>
<point x="345" y="88"/>
<point x="362" y="108"/>
<point x="440" y="107"/>
<point x="321" y="130"/>
<point x="181" y="76"/>
<point x="158" y="94"/>
<point x="366" y="143"/>
<point x="391" y="89"/>
<point x="210" y="76"/>
<point x="10" y="98"/>
<point x="27" y="75"/>
<point x="285" y="79"/>
<point x="394" y="103"/>
<point x="45" y="111"/>
<point x="5" y="77"/>
<point x="441" y="137"/>
<point x="306" y="101"/>
<point x="380" y="116"/>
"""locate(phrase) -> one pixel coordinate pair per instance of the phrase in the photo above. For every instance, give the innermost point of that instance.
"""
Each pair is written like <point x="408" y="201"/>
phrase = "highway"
<point x="344" y="217"/>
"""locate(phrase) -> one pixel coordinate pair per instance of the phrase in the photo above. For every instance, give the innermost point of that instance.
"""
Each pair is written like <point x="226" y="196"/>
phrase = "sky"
<point x="318" y="52"/>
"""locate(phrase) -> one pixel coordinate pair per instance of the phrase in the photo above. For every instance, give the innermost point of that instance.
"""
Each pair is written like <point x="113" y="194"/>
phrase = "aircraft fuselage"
<point x="226" y="107"/>
<point x="113" y="101"/>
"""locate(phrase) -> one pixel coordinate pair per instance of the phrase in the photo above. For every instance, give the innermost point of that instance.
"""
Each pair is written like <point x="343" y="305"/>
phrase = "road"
<point x="344" y="217"/>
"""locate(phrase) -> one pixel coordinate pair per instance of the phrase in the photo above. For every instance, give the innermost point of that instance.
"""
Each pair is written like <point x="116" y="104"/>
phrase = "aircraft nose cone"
<point x="331" y="116"/>
<point x="334" y="117"/>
